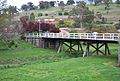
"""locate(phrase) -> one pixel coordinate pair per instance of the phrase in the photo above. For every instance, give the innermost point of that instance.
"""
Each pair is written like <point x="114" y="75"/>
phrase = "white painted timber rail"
<point x="92" y="36"/>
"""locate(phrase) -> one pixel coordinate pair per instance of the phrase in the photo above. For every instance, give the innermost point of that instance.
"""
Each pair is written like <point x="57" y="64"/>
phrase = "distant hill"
<point x="112" y="14"/>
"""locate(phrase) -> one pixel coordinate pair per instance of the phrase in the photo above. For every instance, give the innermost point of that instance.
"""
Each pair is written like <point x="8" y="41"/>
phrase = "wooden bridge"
<point x="82" y="41"/>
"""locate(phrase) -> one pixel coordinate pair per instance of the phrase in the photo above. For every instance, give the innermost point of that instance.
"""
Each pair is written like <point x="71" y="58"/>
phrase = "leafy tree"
<point x="12" y="9"/>
<point x="62" y="5"/>
<point x="70" y="2"/>
<point x="107" y="3"/>
<point x="30" y="6"/>
<point x="44" y="4"/>
<point x="82" y="14"/>
<point x="52" y="3"/>
<point x="24" y="7"/>
<point x="5" y="22"/>
<point x="32" y="18"/>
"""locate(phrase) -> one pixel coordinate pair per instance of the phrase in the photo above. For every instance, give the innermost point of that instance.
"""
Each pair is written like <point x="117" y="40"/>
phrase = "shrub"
<point x="60" y="14"/>
<point x="66" y="13"/>
<point x="40" y="14"/>
<point x="46" y="14"/>
<point x="117" y="25"/>
<point x="104" y="28"/>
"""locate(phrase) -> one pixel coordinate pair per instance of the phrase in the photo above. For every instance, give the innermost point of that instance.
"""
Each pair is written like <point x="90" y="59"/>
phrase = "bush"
<point x="60" y="14"/>
<point x="117" y="25"/>
<point x="66" y="13"/>
<point x="108" y="28"/>
<point x="40" y="14"/>
<point x="46" y="14"/>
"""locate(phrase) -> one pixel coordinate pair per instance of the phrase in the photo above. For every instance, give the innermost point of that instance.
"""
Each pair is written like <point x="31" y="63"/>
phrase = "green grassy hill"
<point x="113" y="12"/>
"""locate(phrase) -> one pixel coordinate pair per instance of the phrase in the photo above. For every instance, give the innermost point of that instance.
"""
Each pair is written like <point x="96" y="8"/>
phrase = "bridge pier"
<point x="119" y="54"/>
<point x="97" y="46"/>
<point x="73" y="46"/>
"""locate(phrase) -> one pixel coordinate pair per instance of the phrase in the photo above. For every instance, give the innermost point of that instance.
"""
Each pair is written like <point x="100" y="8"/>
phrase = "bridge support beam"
<point x="73" y="46"/>
<point x="98" y="48"/>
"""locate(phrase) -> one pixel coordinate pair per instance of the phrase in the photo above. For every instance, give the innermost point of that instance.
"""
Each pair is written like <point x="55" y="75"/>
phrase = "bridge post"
<point x="119" y="54"/>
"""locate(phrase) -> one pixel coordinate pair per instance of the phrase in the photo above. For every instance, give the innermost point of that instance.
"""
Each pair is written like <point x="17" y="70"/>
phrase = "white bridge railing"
<point x="92" y="36"/>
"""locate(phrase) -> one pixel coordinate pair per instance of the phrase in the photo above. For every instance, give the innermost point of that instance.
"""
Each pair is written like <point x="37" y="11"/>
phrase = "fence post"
<point x="103" y="36"/>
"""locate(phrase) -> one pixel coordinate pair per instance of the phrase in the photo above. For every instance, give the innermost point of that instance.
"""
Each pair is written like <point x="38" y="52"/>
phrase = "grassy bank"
<point x="35" y="64"/>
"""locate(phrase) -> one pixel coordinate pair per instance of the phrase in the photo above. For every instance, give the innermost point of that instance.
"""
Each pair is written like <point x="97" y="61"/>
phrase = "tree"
<point x="70" y="2"/>
<point x="44" y="4"/>
<point x="81" y="14"/>
<point x="5" y="22"/>
<point x="52" y="3"/>
<point x="24" y="7"/>
<point x="32" y="18"/>
<point x="106" y="2"/>
<point x="30" y="6"/>
<point x="12" y="9"/>
<point x="62" y="5"/>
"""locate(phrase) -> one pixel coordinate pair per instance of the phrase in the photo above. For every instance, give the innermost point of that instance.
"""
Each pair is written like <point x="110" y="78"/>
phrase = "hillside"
<point x="112" y="14"/>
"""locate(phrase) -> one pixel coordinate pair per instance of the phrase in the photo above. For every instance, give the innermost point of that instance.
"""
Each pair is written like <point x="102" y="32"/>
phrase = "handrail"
<point x="92" y="36"/>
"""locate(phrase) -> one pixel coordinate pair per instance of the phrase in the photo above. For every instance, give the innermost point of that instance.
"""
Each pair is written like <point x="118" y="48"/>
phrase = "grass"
<point x="35" y="64"/>
<point x="24" y="53"/>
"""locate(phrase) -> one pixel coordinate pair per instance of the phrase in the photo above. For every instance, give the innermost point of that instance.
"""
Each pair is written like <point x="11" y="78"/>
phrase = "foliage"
<point x="76" y="24"/>
<point x="5" y="22"/>
<point x="107" y="4"/>
<point x="46" y="14"/>
<point x="52" y="3"/>
<point x="32" y="17"/>
<point x="66" y="13"/>
<point x="81" y="14"/>
<point x="24" y="7"/>
<point x="62" y="5"/>
<point x="29" y="6"/>
<point x="102" y="28"/>
<point x="64" y="23"/>
<point x="117" y="25"/>
<point x="44" y="5"/>
<point x="40" y="14"/>
<point x="60" y="14"/>
<point x="34" y="27"/>
<point x="70" y="2"/>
